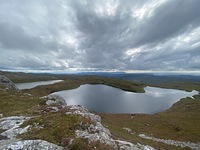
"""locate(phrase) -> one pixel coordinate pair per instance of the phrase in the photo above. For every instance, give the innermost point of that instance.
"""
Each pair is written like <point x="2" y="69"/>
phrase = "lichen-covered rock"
<point x="97" y="133"/>
<point x="80" y="110"/>
<point x="7" y="83"/>
<point x="12" y="126"/>
<point x="33" y="145"/>
<point x="55" y="100"/>
<point x="9" y="141"/>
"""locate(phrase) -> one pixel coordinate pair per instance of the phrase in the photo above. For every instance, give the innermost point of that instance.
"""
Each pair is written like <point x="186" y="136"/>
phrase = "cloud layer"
<point x="100" y="35"/>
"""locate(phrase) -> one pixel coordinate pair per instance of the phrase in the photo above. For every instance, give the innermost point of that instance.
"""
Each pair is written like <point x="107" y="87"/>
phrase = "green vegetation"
<point x="16" y="103"/>
<point x="180" y="122"/>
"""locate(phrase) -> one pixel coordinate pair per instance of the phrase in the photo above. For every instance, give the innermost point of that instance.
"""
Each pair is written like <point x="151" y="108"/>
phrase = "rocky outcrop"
<point x="7" y="83"/>
<point x="191" y="145"/>
<point x="97" y="132"/>
<point x="55" y="100"/>
<point x="80" y="110"/>
<point x="11" y="125"/>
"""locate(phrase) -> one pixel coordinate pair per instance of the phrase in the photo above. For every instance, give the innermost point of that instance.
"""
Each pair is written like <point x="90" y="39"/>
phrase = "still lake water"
<point x="30" y="85"/>
<point x="106" y="99"/>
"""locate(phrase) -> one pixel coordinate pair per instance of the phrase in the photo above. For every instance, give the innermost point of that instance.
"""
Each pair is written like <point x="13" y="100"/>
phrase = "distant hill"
<point x="18" y="77"/>
<point x="148" y="78"/>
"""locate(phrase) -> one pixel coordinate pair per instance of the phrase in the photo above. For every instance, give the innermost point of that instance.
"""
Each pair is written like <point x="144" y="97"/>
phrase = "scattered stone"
<point x="27" y="94"/>
<point x="1" y="115"/>
<point x="33" y="145"/>
<point x="37" y="126"/>
<point x="127" y="129"/>
<point x="51" y="109"/>
<point x="55" y="100"/>
<point x="195" y="146"/>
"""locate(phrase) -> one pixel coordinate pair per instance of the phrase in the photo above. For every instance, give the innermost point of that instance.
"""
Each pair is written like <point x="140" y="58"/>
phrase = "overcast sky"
<point x="100" y="34"/>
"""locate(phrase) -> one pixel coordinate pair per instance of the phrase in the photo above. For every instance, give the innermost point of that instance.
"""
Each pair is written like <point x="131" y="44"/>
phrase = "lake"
<point x="106" y="99"/>
<point x="30" y="85"/>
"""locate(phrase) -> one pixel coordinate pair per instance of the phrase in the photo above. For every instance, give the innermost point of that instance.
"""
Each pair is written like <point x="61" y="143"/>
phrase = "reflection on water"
<point x="30" y="85"/>
<point x="102" y="98"/>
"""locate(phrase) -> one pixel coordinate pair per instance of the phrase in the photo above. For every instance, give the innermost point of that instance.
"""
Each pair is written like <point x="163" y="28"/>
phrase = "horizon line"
<point x="106" y="71"/>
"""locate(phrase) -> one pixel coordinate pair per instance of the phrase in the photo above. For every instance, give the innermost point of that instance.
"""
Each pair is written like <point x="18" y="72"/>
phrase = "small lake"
<point x="30" y="85"/>
<point x="106" y="99"/>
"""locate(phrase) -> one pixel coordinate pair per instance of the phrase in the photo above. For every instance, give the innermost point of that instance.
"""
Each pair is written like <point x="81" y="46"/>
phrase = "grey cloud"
<point x="93" y="34"/>
<point x="103" y="35"/>
<point x="15" y="38"/>
<point x="170" y="19"/>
